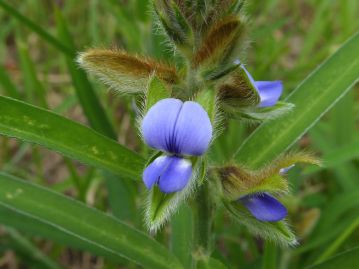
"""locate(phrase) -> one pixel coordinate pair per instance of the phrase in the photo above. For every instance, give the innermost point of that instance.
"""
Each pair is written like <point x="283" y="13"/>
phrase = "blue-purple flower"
<point x="253" y="190"/>
<point x="180" y="130"/>
<point x="264" y="207"/>
<point x="269" y="91"/>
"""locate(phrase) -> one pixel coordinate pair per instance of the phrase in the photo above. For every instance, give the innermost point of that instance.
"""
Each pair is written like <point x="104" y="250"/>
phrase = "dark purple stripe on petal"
<point x="269" y="92"/>
<point x="176" y="175"/>
<point x="158" y="125"/>
<point x="193" y="131"/>
<point x="264" y="207"/>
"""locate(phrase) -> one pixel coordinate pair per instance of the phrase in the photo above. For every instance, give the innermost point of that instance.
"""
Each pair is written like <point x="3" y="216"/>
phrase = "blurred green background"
<point x="288" y="39"/>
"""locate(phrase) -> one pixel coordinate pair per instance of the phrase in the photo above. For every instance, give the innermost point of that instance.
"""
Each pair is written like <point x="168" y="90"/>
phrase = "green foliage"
<point x="92" y="226"/>
<point x="210" y="263"/>
<point x="260" y="114"/>
<point x="316" y="95"/>
<point x="38" y="47"/>
<point x="348" y="259"/>
<point x="42" y="127"/>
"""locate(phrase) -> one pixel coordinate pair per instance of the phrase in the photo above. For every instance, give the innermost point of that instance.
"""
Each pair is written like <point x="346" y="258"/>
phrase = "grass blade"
<point x="34" y="87"/>
<point x="9" y="88"/>
<point x="31" y="250"/>
<point x="337" y="157"/>
<point x="84" y="223"/>
<point x="313" y="97"/>
<point x="39" y="126"/>
<point x="37" y="29"/>
<point x="348" y="259"/>
<point x="84" y="90"/>
<point x="338" y="241"/>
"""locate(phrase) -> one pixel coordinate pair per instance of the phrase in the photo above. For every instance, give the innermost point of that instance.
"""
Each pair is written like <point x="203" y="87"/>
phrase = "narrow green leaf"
<point x="9" y="88"/>
<point x="34" y="227"/>
<point x="260" y="114"/>
<point x="84" y="90"/>
<point x="31" y="250"/>
<point x="84" y="223"/>
<point x="122" y="197"/>
<point x="39" y="126"/>
<point x="33" y="86"/>
<point x="338" y="241"/>
<point x="316" y="95"/>
<point x="348" y="260"/>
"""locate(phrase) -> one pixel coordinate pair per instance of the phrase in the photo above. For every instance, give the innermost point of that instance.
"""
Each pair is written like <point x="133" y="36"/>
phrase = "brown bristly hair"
<point x="122" y="62"/>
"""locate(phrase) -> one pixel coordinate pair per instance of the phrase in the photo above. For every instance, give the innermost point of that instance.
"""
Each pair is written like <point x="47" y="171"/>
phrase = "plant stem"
<point x="270" y="256"/>
<point x="202" y="221"/>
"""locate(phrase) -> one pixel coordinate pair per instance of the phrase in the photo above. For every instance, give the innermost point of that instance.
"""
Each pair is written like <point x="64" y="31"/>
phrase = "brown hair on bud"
<point x="237" y="90"/>
<point x="122" y="71"/>
<point x="235" y="178"/>
<point x="238" y="181"/>
<point x="219" y="41"/>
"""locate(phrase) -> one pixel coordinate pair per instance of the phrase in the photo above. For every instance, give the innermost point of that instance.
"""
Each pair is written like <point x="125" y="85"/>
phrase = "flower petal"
<point x="159" y="123"/>
<point x="193" y="131"/>
<point x="264" y="207"/>
<point x="153" y="172"/>
<point x="176" y="175"/>
<point x="269" y="92"/>
<point x="285" y="170"/>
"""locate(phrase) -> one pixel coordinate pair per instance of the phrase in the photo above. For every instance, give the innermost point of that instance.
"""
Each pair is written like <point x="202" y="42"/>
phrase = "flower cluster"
<point x="209" y="36"/>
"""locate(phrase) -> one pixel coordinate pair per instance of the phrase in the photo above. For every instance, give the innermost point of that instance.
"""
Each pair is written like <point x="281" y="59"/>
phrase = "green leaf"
<point x="156" y="91"/>
<point x="39" y="126"/>
<point x="207" y="99"/>
<point x="34" y="227"/>
<point x="313" y="97"/>
<point x="260" y="114"/>
<point x="84" y="223"/>
<point x="348" y="260"/>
